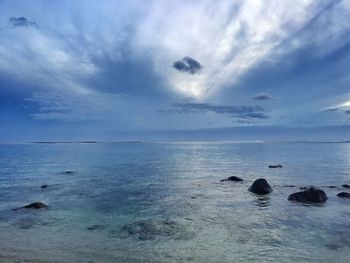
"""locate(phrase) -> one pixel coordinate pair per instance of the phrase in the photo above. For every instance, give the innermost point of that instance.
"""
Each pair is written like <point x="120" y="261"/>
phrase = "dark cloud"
<point x="331" y="109"/>
<point x="22" y="22"/>
<point x="188" y="64"/>
<point x="347" y="112"/>
<point x="242" y="112"/>
<point x="262" y="96"/>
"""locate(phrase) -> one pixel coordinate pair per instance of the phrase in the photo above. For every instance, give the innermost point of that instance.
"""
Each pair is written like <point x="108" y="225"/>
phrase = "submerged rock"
<point x="346" y="185"/>
<point x="261" y="187"/>
<point x="96" y="227"/>
<point x="310" y="195"/>
<point x="44" y="186"/>
<point x="36" y="205"/>
<point x="275" y="166"/>
<point x="344" y="195"/>
<point x="233" y="179"/>
<point x="149" y="229"/>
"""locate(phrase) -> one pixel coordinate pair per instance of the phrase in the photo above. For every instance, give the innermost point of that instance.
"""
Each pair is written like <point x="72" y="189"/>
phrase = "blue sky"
<point x="94" y="69"/>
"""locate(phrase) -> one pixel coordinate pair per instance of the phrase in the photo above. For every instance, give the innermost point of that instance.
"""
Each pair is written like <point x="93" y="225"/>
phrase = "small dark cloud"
<point x="22" y="22"/>
<point x="262" y="96"/>
<point x="241" y="112"/>
<point x="331" y="109"/>
<point x="188" y="64"/>
<point x="347" y="112"/>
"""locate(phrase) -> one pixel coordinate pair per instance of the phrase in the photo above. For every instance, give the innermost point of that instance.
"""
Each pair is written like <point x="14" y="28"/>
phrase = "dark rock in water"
<point x="36" y="205"/>
<point x="344" y="195"/>
<point x="233" y="179"/>
<point x="275" y="166"/>
<point x="68" y="172"/>
<point x="303" y="187"/>
<point x="96" y="227"/>
<point x="149" y="229"/>
<point x="44" y="186"/>
<point x="331" y="186"/>
<point x="346" y="185"/>
<point x="310" y="195"/>
<point x="261" y="187"/>
<point x="289" y="185"/>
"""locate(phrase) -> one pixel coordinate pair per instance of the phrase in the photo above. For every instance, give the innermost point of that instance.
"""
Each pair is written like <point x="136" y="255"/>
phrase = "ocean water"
<point x="164" y="202"/>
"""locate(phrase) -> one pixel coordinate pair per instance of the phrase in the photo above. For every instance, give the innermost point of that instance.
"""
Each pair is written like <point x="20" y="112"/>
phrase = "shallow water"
<point x="164" y="202"/>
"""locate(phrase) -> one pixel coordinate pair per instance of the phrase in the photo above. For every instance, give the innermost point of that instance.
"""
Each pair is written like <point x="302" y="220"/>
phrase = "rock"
<point x="36" y="205"/>
<point x="344" y="195"/>
<point x="233" y="179"/>
<point x="331" y="186"/>
<point x="346" y="185"/>
<point x="149" y="229"/>
<point x="289" y="185"/>
<point x="68" y="172"/>
<point x="96" y="227"/>
<point x="275" y="166"/>
<point x="44" y="186"/>
<point x="261" y="187"/>
<point x="310" y="195"/>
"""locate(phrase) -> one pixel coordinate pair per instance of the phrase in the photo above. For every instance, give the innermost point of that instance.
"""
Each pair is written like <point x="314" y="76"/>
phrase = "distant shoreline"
<point x="174" y="141"/>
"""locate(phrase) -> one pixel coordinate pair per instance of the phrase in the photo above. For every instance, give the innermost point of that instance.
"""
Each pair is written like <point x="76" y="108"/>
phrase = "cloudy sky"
<point x="92" y="69"/>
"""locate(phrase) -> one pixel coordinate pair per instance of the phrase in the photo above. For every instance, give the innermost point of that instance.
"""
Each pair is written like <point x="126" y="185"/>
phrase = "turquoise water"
<point x="164" y="202"/>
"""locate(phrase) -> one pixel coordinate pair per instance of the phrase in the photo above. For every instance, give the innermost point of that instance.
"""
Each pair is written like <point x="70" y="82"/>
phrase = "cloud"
<point x="92" y="51"/>
<point x="331" y="109"/>
<point x="22" y="22"/>
<point x="242" y="112"/>
<point x="262" y="96"/>
<point x="347" y="112"/>
<point x="188" y="64"/>
<point x="224" y="35"/>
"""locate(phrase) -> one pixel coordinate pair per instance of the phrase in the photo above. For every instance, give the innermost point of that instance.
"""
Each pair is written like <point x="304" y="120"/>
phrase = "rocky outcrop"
<point x="36" y="205"/>
<point x="310" y="195"/>
<point x="69" y="172"/>
<point x="344" y="195"/>
<point x="232" y="179"/>
<point x="275" y="166"/>
<point x="261" y="187"/>
<point x="151" y="229"/>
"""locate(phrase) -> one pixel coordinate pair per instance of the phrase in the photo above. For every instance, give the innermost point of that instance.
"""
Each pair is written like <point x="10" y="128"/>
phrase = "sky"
<point x="77" y="70"/>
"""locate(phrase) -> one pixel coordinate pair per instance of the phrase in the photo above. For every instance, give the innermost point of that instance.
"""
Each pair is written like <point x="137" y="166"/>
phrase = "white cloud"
<point x="227" y="37"/>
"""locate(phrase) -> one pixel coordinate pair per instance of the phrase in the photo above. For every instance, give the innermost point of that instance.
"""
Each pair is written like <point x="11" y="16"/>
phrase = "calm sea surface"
<point x="164" y="202"/>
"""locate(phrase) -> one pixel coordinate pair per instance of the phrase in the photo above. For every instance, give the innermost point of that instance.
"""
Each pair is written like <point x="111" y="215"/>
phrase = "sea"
<point x="165" y="202"/>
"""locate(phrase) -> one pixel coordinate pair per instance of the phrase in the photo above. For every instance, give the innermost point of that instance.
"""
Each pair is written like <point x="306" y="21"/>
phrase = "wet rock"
<point x="261" y="187"/>
<point x="331" y="186"/>
<point x="69" y="172"/>
<point x="36" y="205"/>
<point x="346" y="185"/>
<point x="344" y="195"/>
<point x="310" y="195"/>
<point x="275" y="166"/>
<point x="233" y="179"/>
<point x="44" y="186"/>
<point x="149" y="229"/>
<point x="96" y="227"/>
<point x="289" y="185"/>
